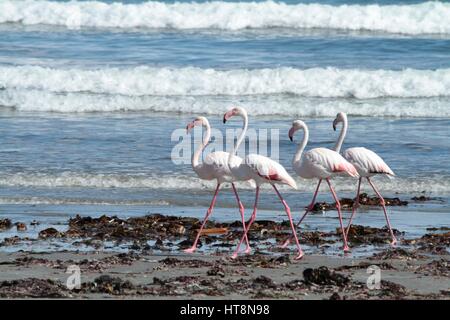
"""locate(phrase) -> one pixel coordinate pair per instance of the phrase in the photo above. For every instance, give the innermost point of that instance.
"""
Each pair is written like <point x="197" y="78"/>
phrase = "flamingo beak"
<point x="335" y="122"/>
<point x="190" y="126"/>
<point x="227" y="116"/>
<point x="291" y="133"/>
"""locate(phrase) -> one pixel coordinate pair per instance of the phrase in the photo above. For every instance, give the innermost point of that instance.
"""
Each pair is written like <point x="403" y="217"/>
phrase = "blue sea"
<point x="91" y="92"/>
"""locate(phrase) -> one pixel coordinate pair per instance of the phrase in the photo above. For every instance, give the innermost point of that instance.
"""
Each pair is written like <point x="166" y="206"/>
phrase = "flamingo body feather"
<point x="323" y="163"/>
<point x="215" y="166"/>
<point x="367" y="162"/>
<point x="265" y="170"/>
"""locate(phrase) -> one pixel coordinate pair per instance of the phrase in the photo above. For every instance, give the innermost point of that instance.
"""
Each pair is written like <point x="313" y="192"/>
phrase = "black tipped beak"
<point x="334" y="125"/>
<point x="189" y="127"/>
<point x="224" y="119"/>
<point x="291" y="134"/>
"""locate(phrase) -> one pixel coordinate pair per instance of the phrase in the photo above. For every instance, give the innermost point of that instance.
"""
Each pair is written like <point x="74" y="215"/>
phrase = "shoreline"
<point x="141" y="276"/>
<point x="153" y="267"/>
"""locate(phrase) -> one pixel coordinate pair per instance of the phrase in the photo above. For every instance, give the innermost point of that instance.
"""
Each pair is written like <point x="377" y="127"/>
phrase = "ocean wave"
<point x="189" y="183"/>
<point x="428" y="17"/>
<point x="283" y="105"/>
<point x="193" y="81"/>
<point x="75" y="201"/>
<point x="86" y="180"/>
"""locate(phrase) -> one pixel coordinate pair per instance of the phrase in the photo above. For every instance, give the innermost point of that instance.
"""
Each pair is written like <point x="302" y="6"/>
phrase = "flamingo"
<point x="368" y="164"/>
<point x="215" y="167"/>
<point x="262" y="170"/>
<point x="320" y="163"/>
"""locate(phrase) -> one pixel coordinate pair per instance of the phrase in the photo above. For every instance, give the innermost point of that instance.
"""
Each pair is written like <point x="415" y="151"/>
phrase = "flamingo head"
<point x="340" y="117"/>
<point x="235" y="111"/>
<point x="296" y="125"/>
<point x="199" y="121"/>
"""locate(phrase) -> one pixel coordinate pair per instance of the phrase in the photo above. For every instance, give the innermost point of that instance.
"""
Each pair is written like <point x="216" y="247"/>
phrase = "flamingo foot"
<point x="285" y="244"/>
<point x="346" y="248"/>
<point x="234" y="256"/>
<point x="299" y="256"/>
<point x="394" y="242"/>
<point x="190" y="250"/>
<point x="248" y="250"/>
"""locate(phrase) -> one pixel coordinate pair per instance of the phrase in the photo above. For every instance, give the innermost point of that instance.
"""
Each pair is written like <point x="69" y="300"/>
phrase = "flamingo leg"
<point x="241" y="211"/>
<point x="294" y="232"/>
<point x="383" y="204"/>
<point x="309" y="209"/>
<point x="246" y="229"/>
<point x="338" y="207"/>
<point x="355" y="207"/>
<point x="208" y="214"/>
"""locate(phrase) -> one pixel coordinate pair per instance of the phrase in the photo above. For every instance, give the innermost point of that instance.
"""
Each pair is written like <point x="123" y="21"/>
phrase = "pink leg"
<point x="208" y="213"/>
<point x="383" y="204"/>
<point x="294" y="232"/>
<point x="338" y="207"/>
<point x="309" y="209"/>
<point x="241" y="211"/>
<point x="252" y="219"/>
<point x="355" y="206"/>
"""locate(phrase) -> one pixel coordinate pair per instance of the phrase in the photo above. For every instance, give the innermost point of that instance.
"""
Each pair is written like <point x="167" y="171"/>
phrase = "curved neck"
<point x="201" y="146"/>
<point x="301" y="146"/>
<point x="241" y="136"/>
<point x="342" y="135"/>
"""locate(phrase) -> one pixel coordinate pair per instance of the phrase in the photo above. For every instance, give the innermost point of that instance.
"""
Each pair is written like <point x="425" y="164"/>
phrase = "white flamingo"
<point x="368" y="164"/>
<point x="214" y="167"/>
<point x="320" y="163"/>
<point x="262" y="170"/>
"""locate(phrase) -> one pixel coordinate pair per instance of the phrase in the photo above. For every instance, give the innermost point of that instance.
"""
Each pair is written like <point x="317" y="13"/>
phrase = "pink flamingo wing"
<point x="330" y="161"/>
<point x="270" y="170"/>
<point x="368" y="161"/>
<point x="346" y="167"/>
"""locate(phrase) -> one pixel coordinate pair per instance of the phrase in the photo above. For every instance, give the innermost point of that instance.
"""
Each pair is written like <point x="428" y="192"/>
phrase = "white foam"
<point x="265" y="105"/>
<point x="278" y="105"/>
<point x="314" y="82"/>
<point x="69" y="179"/>
<point x="427" y="17"/>
<point x="189" y="183"/>
<point x="75" y="201"/>
<point x="278" y="91"/>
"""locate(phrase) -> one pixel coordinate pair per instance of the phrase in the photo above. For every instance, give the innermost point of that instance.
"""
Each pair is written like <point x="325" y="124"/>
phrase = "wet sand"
<point x="154" y="267"/>
<point x="149" y="276"/>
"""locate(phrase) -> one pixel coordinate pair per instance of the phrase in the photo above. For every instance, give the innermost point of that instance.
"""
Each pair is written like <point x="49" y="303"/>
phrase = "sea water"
<point x="91" y="92"/>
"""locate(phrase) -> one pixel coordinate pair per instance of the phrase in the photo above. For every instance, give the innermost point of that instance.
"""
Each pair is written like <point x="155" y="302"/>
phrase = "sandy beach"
<point x="122" y="123"/>
<point x="147" y="276"/>
<point x="416" y="269"/>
